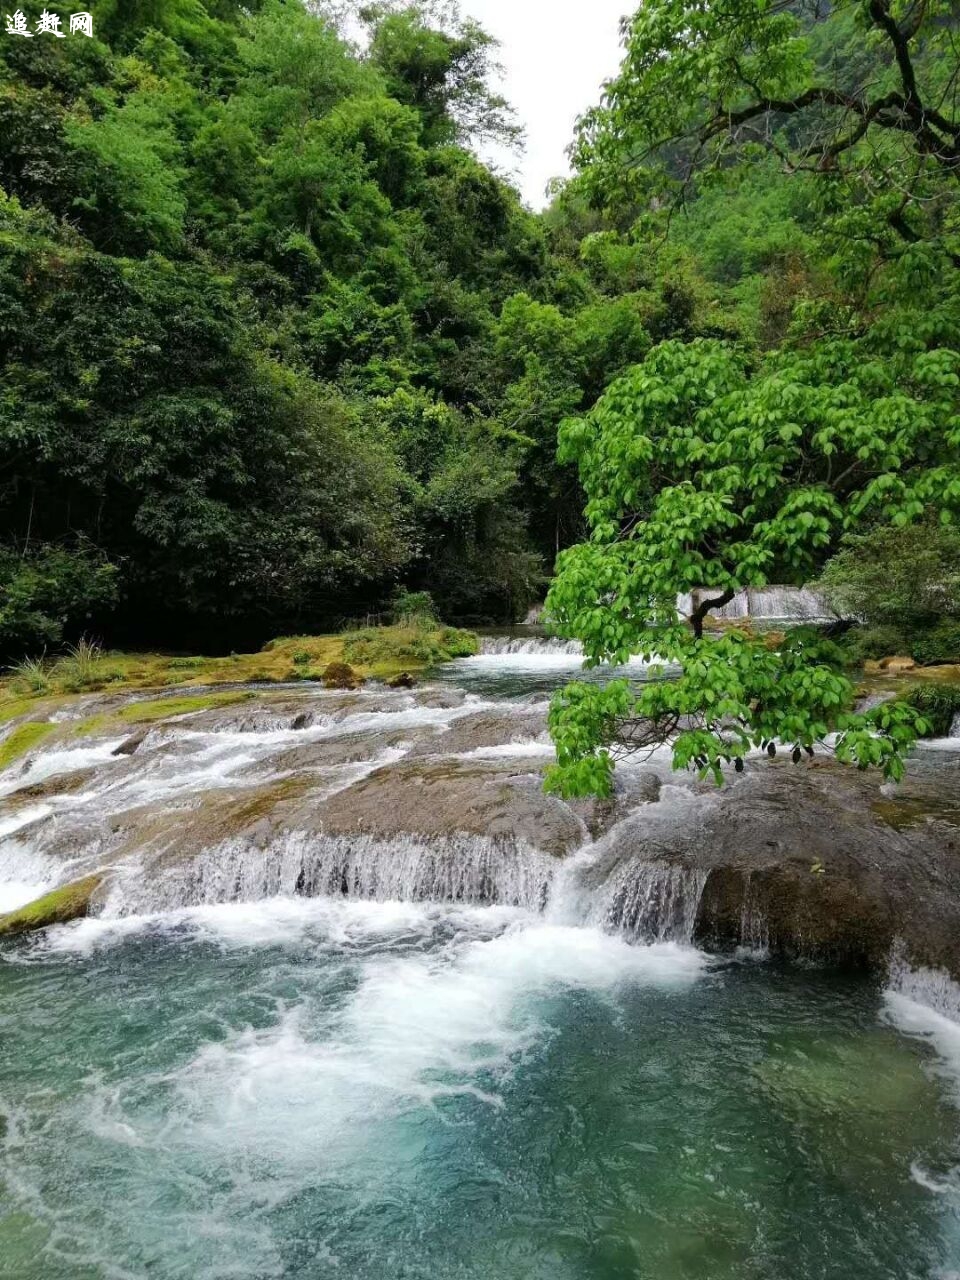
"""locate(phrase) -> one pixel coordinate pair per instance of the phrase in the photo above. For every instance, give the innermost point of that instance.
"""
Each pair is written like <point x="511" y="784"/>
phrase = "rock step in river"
<point x="358" y="999"/>
<point x="435" y="794"/>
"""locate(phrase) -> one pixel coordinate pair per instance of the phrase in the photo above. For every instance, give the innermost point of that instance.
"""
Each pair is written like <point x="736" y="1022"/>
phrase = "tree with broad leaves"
<point x="711" y="469"/>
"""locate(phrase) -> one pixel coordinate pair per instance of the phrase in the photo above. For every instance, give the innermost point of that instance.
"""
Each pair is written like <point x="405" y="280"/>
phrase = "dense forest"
<point x="275" y="341"/>
<point x="278" y="344"/>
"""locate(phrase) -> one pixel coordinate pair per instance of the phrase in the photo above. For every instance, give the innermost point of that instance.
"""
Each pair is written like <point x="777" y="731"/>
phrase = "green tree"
<point x="896" y="576"/>
<point x="714" y="467"/>
<point x="442" y="69"/>
<point x="704" y="473"/>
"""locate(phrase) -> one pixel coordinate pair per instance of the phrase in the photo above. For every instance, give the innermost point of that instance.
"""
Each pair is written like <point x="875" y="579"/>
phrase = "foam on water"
<point x="24" y="874"/>
<point x="925" y="1003"/>
<point x="529" y="646"/>
<point x="419" y="1025"/>
<point x="49" y="764"/>
<point x="506" y="750"/>
<point x="277" y="922"/>
<point x="21" y="818"/>
<point x="372" y="1088"/>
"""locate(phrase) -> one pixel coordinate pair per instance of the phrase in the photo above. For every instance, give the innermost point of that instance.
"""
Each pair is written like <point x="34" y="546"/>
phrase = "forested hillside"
<point x="275" y="341"/>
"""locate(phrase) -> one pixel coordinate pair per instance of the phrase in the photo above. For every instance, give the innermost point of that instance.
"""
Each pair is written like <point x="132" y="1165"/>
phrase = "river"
<point x="293" y="1056"/>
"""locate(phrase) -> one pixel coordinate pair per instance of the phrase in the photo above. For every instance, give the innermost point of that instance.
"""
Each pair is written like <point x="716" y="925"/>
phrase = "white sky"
<point x="556" y="54"/>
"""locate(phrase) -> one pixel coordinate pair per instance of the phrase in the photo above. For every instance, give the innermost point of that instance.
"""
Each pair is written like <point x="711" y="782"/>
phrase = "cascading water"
<point x="955" y="726"/>
<point x="651" y="902"/>
<point x="764" y="604"/>
<point x="291" y="1052"/>
<point x="546" y="645"/>
<point x="465" y="869"/>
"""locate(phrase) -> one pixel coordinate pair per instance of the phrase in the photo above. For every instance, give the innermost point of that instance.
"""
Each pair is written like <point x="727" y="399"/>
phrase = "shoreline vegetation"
<point x="36" y="690"/>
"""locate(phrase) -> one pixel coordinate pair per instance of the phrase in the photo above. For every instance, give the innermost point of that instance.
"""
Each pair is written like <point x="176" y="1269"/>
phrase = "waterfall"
<point x="650" y="901"/>
<point x="462" y="868"/>
<point x="932" y="988"/>
<point x="498" y="645"/>
<point x="754" y="930"/>
<point x="770" y="604"/>
<point x="955" y="726"/>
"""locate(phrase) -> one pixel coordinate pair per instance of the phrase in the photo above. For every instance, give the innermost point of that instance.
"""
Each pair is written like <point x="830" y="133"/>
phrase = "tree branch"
<point x="704" y="607"/>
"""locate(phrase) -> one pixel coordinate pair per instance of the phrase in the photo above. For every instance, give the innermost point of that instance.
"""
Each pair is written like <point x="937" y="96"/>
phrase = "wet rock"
<point x="483" y="729"/>
<point x="131" y="745"/>
<point x="70" y="902"/>
<point x="327" y="753"/>
<point x="801" y="860"/>
<point x="441" y="697"/>
<point x="632" y="787"/>
<point x="892" y="665"/>
<point x="402" y="681"/>
<point x="447" y="797"/>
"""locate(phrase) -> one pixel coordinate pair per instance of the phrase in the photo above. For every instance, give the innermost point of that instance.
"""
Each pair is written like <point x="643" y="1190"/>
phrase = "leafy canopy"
<point x="707" y="473"/>
<point x="714" y="466"/>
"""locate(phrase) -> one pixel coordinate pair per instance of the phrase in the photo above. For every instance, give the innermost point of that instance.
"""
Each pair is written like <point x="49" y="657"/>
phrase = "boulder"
<point x="449" y="797"/>
<point x="891" y="666"/>
<point x="340" y="675"/>
<point x="403" y="680"/>
<point x="814" y="861"/>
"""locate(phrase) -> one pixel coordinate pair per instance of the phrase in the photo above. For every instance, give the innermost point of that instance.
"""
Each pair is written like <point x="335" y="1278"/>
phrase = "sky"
<point x="556" y="54"/>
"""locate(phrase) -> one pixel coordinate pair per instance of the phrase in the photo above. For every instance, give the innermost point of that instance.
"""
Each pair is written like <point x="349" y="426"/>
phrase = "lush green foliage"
<point x="422" y="645"/>
<point x="275" y="341"/>
<point x="896" y="576"/>
<point x="939" y="704"/>
<point x="904" y="585"/>
<point x="717" y="465"/>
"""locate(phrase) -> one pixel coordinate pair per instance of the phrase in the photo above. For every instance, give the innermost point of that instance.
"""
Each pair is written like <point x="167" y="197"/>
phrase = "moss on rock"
<point x="340" y="675"/>
<point x="69" y="902"/>
<point x="20" y="740"/>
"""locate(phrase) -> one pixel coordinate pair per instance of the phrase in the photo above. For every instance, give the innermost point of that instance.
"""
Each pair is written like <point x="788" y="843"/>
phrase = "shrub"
<point x="940" y="643"/>
<point x="373" y="646"/>
<point x="81" y="668"/>
<point x="938" y="704"/>
<point x="902" y="577"/>
<point x="414" y="609"/>
<point x="48" y="592"/>
<point x="864" y="644"/>
<point x="32" y="674"/>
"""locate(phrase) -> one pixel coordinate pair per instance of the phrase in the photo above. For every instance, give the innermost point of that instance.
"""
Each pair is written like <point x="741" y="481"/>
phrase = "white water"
<point x="543" y="646"/>
<point x="765" y="604"/>
<point x="470" y="869"/>
<point x="925" y="1003"/>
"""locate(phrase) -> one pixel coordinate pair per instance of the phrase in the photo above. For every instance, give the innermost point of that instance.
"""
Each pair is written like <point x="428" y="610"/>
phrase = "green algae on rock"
<point x="69" y="902"/>
<point x="21" y="738"/>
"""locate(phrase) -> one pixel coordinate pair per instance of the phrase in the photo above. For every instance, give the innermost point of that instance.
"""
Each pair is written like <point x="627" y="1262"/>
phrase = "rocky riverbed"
<point x="437" y="793"/>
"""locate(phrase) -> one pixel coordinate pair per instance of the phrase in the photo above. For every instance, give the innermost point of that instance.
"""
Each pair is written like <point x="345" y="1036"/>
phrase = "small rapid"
<point x="540" y="646"/>
<point x="357" y="999"/>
